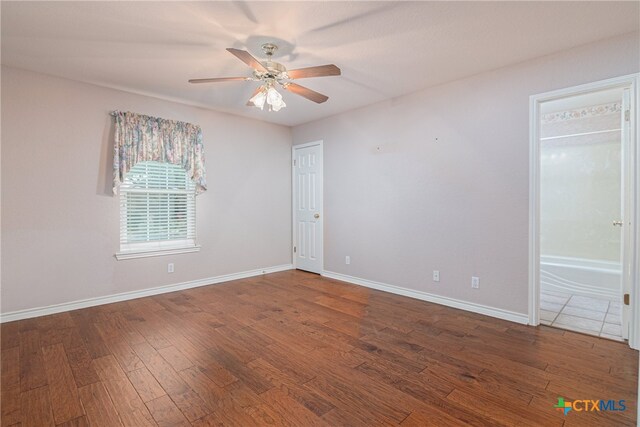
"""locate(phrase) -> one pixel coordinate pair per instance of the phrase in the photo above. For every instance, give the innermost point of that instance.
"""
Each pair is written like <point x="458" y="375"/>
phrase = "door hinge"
<point x="627" y="115"/>
<point x="294" y="162"/>
<point x="626" y="299"/>
<point x="295" y="249"/>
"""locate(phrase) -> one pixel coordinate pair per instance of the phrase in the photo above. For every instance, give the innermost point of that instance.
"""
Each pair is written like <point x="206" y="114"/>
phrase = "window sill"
<point x="155" y="252"/>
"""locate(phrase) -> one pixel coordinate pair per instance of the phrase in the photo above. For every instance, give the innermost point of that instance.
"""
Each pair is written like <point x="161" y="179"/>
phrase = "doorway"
<point x="308" y="220"/>
<point x="583" y="209"/>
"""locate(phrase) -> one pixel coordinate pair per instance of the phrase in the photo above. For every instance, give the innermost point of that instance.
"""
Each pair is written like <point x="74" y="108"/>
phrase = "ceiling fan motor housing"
<point x="276" y="70"/>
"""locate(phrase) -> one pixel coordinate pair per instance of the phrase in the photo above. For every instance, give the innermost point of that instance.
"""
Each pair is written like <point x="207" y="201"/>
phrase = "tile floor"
<point x="594" y="316"/>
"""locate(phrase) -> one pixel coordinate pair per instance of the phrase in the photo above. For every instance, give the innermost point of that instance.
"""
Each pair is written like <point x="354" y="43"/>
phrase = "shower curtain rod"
<point x="580" y="134"/>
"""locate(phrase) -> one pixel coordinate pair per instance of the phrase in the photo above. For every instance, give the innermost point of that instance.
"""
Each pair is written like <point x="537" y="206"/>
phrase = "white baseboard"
<point x="425" y="296"/>
<point x="90" y="302"/>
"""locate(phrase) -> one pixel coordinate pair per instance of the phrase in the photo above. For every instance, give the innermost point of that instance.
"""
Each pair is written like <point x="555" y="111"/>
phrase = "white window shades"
<point x="157" y="211"/>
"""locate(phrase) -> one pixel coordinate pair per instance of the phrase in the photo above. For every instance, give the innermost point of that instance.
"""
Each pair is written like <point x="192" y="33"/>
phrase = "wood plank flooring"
<point x="296" y="349"/>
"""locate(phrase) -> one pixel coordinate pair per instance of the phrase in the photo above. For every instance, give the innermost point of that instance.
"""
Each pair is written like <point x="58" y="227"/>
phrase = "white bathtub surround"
<point x="579" y="276"/>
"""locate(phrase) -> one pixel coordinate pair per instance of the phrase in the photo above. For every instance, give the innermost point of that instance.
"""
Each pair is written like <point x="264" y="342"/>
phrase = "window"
<point x="157" y="211"/>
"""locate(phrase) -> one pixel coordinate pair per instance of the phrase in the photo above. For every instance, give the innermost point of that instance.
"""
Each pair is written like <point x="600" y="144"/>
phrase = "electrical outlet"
<point x="347" y="260"/>
<point x="436" y="276"/>
<point x="170" y="267"/>
<point x="475" y="282"/>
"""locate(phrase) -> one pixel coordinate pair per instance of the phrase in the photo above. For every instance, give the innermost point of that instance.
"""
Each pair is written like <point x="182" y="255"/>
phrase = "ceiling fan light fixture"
<point x="274" y="99"/>
<point x="267" y="94"/>
<point x="259" y="99"/>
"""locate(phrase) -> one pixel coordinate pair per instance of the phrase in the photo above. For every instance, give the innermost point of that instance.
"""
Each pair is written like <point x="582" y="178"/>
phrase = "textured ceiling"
<point x="385" y="49"/>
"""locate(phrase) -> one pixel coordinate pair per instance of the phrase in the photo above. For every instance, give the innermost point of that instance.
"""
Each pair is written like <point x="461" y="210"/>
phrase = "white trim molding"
<point x="125" y="296"/>
<point x="499" y="313"/>
<point x="158" y="252"/>
<point x="631" y="232"/>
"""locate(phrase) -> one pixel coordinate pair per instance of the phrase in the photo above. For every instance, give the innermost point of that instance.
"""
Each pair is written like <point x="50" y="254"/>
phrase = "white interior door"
<point x="307" y="207"/>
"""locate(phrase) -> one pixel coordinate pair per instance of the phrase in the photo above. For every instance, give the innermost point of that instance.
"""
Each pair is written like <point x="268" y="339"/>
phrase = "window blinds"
<point x="157" y="207"/>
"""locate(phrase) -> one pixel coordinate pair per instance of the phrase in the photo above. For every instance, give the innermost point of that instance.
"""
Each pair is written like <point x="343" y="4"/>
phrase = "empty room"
<point x="319" y="213"/>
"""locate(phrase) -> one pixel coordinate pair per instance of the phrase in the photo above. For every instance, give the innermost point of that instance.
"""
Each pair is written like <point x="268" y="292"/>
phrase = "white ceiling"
<point x="385" y="49"/>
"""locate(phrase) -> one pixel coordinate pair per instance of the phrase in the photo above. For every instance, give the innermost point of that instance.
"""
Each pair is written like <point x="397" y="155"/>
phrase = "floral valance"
<point x="140" y="138"/>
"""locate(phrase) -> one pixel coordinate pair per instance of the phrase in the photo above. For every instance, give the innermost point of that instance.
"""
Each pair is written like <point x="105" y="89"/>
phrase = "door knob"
<point x="618" y="223"/>
<point x="316" y="216"/>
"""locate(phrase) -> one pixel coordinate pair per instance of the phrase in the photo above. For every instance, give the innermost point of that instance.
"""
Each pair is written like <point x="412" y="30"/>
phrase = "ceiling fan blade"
<point x="246" y="57"/>
<point x="219" y="79"/>
<point x="319" y="71"/>
<point x="305" y="92"/>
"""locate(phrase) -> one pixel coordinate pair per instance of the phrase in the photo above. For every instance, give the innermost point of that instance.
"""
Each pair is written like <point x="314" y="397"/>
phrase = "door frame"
<point x="294" y="232"/>
<point x="631" y="236"/>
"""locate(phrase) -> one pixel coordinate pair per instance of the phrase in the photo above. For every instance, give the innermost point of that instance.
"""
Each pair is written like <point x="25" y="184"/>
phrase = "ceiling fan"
<point x="272" y="74"/>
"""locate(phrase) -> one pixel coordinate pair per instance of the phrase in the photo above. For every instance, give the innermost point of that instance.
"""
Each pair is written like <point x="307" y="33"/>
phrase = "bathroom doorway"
<point x="584" y="209"/>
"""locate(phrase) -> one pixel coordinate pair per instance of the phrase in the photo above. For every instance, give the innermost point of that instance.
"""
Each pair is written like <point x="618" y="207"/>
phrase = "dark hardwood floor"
<point x="296" y="349"/>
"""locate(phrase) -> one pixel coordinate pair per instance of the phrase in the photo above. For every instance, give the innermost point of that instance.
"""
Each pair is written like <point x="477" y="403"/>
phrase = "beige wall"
<point x="60" y="220"/>
<point x="440" y="179"/>
<point x="433" y="180"/>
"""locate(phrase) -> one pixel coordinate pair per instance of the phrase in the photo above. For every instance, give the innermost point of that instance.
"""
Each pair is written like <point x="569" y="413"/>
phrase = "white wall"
<point x="580" y="187"/>
<point x="580" y="197"/>
<point x="440" y="179"/>
<point x="60" y="220"/>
